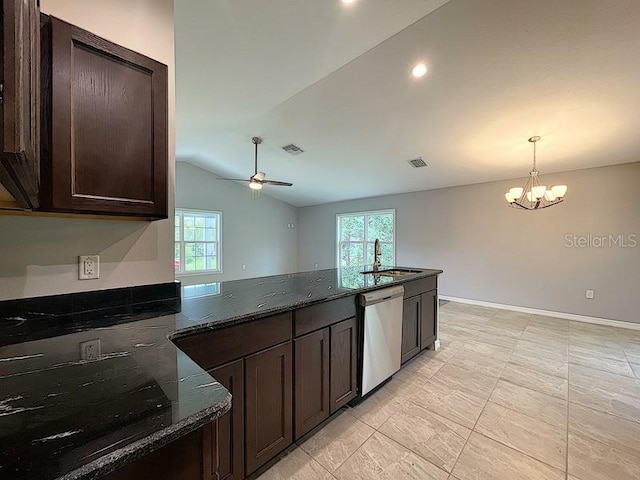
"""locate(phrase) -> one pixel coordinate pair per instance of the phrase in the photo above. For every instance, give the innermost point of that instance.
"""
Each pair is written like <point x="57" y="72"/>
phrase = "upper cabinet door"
<point x="20" y="100"/>
<point x="105" y="148"/>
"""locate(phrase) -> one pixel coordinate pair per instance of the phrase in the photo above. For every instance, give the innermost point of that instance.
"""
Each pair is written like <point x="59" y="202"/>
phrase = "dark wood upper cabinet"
<point x="20" y="101"/>
<point x="411" y="328"/>
<point x="344" y="356"/>
<point x="311" y="380"/>
<point x="104" y="145"/>
<point x="268" y="405"/>
<point x="224" y="437"/>
<point x="428" y="309"/>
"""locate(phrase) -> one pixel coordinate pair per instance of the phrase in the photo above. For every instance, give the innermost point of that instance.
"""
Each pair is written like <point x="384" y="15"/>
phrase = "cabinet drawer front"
<point x="323" y="314"/>
<point x="269" y="404"/>
<point x="214" y="348"/>
<point x="419" y="286"/>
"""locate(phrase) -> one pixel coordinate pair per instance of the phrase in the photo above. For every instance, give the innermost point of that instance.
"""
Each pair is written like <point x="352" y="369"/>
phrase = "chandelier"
<point x="535" y="196"/>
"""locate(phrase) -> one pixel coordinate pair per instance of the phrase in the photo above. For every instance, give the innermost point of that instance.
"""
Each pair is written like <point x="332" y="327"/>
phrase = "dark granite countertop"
<point x="226" y="303"/>
<point x="64" y="417"/>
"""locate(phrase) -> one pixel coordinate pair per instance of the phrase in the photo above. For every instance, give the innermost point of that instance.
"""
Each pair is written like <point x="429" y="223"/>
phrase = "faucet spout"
<point x="377" y="251"/>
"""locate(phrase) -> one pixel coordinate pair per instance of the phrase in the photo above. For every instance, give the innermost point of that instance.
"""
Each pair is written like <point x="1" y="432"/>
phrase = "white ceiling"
<point x="336" y="81"/>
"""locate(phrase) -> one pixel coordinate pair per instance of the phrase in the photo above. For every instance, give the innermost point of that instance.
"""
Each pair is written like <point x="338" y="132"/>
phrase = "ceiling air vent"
<point x="293" y="149"/>
<point x="417" y="162"/>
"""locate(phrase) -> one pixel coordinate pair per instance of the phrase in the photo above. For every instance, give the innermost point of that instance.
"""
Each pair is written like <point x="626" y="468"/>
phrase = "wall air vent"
<point x="417" y="162"/>
<point x="293" y="149"/>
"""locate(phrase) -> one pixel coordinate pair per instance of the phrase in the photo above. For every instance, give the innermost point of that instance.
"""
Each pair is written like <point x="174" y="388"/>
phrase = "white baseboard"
<point x="536" y="311"/>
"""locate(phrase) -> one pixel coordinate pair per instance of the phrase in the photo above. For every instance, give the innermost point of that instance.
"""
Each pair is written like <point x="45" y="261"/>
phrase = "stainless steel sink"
<point x="394" y="272"/>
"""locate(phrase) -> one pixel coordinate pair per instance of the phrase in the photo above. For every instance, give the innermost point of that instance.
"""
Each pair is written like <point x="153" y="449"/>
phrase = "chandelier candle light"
<point x="535" y="196"/>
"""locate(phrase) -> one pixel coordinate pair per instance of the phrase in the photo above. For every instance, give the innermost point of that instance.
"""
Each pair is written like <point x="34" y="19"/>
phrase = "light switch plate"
<point x="589" y="294"/>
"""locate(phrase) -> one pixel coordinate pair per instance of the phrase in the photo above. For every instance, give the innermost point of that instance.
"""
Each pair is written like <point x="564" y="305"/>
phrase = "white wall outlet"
<point x="590" y="294"/>
<point x="244" y="267"/>
<point x="315" y="265"/>
<point x="88" y="267"/>
<point x="90" y="350"/>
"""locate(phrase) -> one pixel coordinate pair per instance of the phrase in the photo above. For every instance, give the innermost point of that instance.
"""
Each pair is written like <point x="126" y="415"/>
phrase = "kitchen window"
<point x="357" y="233"/>
<point x="197" y="242"/>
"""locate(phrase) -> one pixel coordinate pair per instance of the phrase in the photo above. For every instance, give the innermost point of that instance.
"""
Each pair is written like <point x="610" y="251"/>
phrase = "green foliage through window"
<point x="357" y="233"/>
<point x="197" y="241"/>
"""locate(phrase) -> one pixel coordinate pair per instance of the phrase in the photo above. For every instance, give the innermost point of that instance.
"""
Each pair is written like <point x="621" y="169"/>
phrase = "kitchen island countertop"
<point x="69" y="418"/>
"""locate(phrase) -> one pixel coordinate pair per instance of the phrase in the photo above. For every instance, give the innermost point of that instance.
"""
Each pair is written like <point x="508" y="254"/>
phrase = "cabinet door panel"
<point x="344" y="353"/>
<point x="108" y="137"/>
<point x="428" y="310"/>
<point x="411" y="328"/>
<point x="268" y="405"/>
<point x="311" y="380"/>
<point x="20" y="105"/>
<point x="227" y="432"/>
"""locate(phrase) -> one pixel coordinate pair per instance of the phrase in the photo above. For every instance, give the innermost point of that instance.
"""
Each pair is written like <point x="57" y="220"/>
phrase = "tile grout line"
<point x="359" y="446"/>
<point x="483" y="408"/>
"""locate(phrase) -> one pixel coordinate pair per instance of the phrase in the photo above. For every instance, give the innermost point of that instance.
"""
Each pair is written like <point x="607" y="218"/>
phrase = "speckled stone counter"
<point x="64" y="417"/>
<point x="239" y="301"/>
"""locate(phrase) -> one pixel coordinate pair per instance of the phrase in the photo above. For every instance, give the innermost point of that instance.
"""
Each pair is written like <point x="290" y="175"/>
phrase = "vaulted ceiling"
<point x="336" y="80"/>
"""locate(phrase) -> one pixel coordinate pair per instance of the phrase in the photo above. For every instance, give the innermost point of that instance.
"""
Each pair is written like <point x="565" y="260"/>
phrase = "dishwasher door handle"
<point x="381" y="295"/>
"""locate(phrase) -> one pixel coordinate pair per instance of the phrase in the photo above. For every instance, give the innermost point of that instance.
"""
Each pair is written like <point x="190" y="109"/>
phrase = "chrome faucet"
<point x="377" y="251"/>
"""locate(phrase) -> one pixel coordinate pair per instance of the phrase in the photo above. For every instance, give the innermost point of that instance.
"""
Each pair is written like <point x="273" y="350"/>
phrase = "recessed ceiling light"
<point x="348" y="1"/>
<point x="419" y="70"/>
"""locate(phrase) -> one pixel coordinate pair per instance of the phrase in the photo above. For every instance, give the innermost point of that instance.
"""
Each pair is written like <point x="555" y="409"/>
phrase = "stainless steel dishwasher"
<point x="382" y="336"/>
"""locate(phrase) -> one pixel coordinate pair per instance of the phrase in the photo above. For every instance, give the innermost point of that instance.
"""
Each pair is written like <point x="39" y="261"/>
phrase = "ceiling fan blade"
<point x="234" y="179"/>
<point x="276" y="182"/>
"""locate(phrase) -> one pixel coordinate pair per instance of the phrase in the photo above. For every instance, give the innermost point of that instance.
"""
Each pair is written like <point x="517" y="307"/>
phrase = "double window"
<point x="357" y="233"/>
<point x="197" y="241"/>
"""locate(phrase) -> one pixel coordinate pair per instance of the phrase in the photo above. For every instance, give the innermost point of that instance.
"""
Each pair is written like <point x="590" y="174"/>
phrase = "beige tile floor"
<point x="508" y="396"/>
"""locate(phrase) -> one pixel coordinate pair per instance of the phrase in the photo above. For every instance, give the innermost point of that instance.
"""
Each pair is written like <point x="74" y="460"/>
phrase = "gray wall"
<point x="254" y="230"/>
<point x="498" y="254"/>
<point x="38" y="256"/>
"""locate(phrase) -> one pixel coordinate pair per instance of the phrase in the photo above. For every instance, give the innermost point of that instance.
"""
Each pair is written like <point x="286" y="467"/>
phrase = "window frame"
<point x="365" y="241"/>
<point x="217" y="242"/>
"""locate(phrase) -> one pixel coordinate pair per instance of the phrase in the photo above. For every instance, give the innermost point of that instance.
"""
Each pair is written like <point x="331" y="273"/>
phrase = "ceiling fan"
<point x="257" y="180"/>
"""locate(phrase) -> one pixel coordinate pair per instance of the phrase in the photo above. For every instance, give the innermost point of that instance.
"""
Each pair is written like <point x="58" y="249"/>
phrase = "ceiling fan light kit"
<point x="534" y="196"/>
<point x="258" y="179"/>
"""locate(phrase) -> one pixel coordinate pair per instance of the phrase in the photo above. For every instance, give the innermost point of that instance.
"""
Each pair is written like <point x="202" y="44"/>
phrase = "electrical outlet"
<point x="88" y="267"/>
<point x="90" y="350"/>
<point x="244" y="267"/>
<point x="590" y="294"/>
<point x="315" y="265"/>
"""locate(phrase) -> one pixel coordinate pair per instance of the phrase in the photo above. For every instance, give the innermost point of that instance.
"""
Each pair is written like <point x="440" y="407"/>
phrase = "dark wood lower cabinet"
<point x="411" y="328"/>
<point x="344" y="353"/>
<point x="225" y="436"/>
<point x="181" y="459"/>
<point x="268" y="404"/>
<point x="428" y="309"/>
<point x="311" y="380"/>
<point x="273" y="403"/>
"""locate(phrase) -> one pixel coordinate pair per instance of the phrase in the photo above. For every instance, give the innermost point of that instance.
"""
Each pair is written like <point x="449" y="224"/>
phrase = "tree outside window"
<point x="357" y="233"/>
<point x="197" y="241"/>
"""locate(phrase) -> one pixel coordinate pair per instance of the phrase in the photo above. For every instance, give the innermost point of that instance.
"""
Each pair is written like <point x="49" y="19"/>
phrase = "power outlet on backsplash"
<point x="90" y="350"/>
